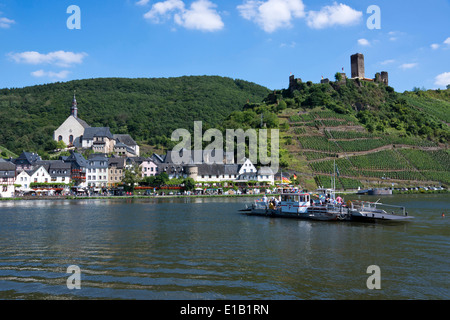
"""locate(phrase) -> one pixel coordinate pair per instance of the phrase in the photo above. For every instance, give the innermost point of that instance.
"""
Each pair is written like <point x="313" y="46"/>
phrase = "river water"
<point x="203" y="248"/>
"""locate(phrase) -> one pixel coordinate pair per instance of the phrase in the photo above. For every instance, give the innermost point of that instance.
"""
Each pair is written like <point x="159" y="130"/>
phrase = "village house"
<point x="7" y="179"/>
<point x="131" y="147"/>
<point x="97" y="172"/>
<point x="78" y="165"/>
<point x="26" y="161"/>
<point x="23" y="179"/>
<point x="265" y="174"/>
<point x="60" y="171"/>
<point x="38" y="174"/>
<point x="116" y="167"/>
<point x="99" y="139"/>
<point x="148" y="168"/>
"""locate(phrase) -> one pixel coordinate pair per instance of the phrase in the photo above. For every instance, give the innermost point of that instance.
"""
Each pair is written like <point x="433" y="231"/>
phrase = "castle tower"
<point x="385" y="77"/>
<point x="192" y="172"/>
<point x="74" y="109"/>
<point x="294" y="83"/>
<point x="357" y="64"/>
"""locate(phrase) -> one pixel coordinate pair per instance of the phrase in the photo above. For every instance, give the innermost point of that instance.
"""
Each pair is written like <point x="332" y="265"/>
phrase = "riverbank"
<point x="131" y="197"/>
<point x="395" y="192"/>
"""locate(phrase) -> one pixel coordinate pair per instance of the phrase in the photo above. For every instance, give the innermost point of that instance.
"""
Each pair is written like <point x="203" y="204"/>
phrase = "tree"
<point x="448" y="86"/>
<point x="61" y="145"/>
<point x="161" y="179"/>
<point x="189" y="184"/>
<point x="132" y="177"/>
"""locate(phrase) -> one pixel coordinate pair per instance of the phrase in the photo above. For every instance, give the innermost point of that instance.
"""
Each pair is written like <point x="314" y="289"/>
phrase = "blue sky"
<point x="261" y="41"/>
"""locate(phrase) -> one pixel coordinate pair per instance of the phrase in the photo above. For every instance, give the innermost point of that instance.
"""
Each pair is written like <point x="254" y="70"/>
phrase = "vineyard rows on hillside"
<point x="334" y="144"/>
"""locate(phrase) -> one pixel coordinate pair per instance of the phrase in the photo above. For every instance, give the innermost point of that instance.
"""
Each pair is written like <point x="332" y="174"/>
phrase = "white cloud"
<point x="447" y="41"/>
<point x="58" y="58"/>
<point x="406" y="66"/>
<point x="142" y="2"/>
<point x="363" y="42"/>
<point x="5" y="23"/>
<point x="442" y="79"/>
<point x="385" y="62"/>
<point x="337" y="14"/>
<point x="293" y="44"/>
<point x="50" y="74"/>
<point x="435" y="46"/>
<point x="271" y="15"/>
<point x="200" y="16"/>
<point x="163" y="9"/>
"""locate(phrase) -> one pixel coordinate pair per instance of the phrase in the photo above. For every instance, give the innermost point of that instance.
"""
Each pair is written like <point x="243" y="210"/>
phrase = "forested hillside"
<point x="374" y="135"/>
<point x="148" y="109"/>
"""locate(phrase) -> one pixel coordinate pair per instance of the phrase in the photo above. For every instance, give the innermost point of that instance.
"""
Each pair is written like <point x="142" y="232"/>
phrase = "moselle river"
<point x="203" y="248"/>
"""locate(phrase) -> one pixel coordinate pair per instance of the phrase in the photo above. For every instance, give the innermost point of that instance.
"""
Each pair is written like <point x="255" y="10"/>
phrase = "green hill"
<point x="374" y="135"/>
<point x="148" y="109"/>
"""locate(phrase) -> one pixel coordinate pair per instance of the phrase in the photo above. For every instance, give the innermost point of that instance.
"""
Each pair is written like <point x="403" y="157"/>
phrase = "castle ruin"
<point x="357" y="72"/>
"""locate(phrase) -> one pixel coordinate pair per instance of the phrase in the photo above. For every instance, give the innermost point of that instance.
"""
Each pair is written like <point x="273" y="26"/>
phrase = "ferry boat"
<point x="324" y="208"/>
<point x="366" y="211"/>
<point x="297" y="205"/>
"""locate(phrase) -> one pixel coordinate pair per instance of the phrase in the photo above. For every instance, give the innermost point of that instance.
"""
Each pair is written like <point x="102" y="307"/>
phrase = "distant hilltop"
<point x="357" y="73"/>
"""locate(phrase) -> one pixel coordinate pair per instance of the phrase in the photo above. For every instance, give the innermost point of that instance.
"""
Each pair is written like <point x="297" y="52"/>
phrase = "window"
<point x="71" y="139"/>
<point x="59" y="138"/>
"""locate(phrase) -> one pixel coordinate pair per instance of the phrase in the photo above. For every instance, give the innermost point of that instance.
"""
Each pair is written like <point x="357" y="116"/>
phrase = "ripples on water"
<point x="205" y="249"/>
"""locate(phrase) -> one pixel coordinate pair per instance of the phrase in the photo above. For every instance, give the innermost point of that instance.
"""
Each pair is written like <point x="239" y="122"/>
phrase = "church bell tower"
<point x="74" y="109"/>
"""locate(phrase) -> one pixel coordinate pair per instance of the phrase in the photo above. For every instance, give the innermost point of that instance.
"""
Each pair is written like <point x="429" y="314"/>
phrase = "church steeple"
<point x="74" y="109"/>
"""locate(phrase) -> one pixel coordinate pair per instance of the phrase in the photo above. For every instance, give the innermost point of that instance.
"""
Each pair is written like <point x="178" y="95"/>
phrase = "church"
<point x="75" y="132"/>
